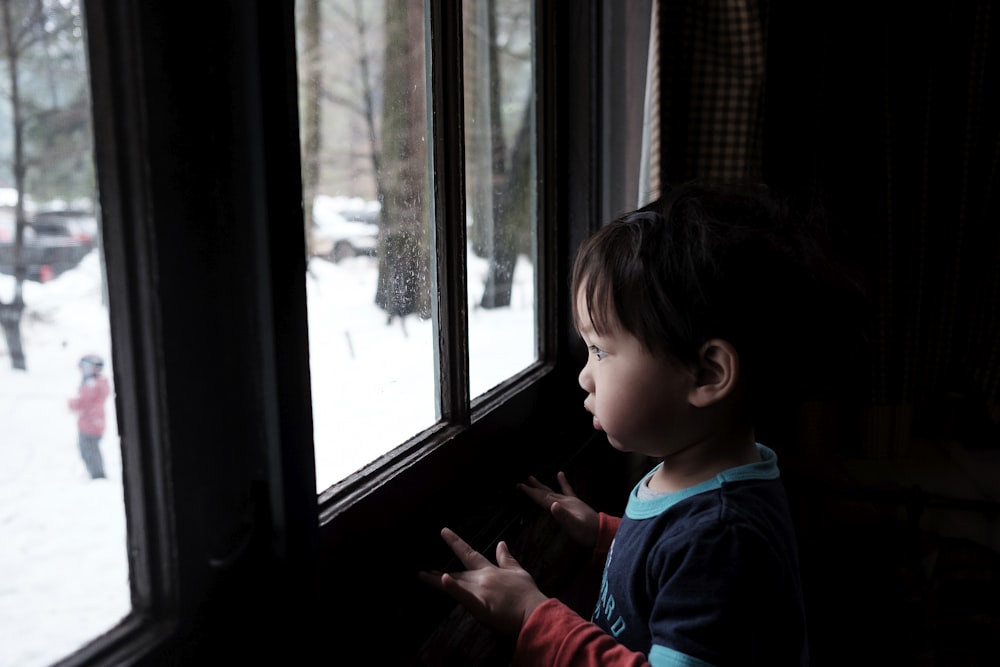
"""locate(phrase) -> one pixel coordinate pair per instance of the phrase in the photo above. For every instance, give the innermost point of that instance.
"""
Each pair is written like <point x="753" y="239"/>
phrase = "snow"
<point x="63" y="563"/>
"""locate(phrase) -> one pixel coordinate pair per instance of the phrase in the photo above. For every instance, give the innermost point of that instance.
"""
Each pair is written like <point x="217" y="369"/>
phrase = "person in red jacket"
<point x="89" y="406"/>
<point x="699" y="311"/>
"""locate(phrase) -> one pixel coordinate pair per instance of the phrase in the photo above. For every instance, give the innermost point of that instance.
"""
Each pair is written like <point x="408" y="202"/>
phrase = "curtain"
<point x="711" y="75"/>
<point x="886" y="114"/>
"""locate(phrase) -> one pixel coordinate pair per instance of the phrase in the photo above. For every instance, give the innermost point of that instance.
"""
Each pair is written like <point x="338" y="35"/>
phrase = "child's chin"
<point x="618" y="444"/>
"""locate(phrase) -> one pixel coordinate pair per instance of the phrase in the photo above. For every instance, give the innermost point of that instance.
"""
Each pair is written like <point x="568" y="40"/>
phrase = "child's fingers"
<point x="538" y="492"/>
<point x="470" y="558"/>
<point x="504" y="557"/>
<point x="564" y="484"/>
<point x="535" y="485"/>
<point x="431" y="578"/>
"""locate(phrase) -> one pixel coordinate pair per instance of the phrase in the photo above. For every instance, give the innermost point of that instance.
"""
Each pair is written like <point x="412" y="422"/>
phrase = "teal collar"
<point x="644" y="508"/>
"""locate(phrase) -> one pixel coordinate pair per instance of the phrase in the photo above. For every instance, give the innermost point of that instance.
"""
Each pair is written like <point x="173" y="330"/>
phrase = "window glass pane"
<point x="366" y="193"/>
<point x="63" y="559"/>
<point x="500" y="181"/>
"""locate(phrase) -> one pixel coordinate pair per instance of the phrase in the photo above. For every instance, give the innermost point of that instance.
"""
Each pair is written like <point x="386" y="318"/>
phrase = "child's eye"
<point x="598" y="352"/>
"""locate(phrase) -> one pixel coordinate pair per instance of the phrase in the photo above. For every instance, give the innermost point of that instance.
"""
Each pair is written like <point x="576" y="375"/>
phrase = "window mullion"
<point x="120" y="155"/>
<point x="448" y="235"/>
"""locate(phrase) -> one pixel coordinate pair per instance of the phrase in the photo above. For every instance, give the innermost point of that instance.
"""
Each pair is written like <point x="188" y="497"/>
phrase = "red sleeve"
<point x="607" y="527"/>
<point x="555" y="635"/>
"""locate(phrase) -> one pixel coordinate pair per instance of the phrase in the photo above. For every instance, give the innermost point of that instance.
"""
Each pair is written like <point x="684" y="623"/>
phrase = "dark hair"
<point x="707" y="262"/>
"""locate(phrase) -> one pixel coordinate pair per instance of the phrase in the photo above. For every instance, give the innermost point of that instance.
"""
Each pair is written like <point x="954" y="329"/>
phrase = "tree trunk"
<point x="10" y="313"/>
<point x="312" y="123"/>
<point x="404" y="266"/>
<point x="509" y="224"/>
<point x="513" y="216"/>
<point x="10" y="320"/>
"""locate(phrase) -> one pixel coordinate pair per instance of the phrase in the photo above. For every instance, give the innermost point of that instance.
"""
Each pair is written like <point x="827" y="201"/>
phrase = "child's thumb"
<point x="504" y="557"/>
<point x="560" y="513"/>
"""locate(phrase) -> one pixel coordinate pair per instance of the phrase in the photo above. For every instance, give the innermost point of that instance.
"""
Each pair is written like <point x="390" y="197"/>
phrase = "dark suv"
<point x="54" y="242"/>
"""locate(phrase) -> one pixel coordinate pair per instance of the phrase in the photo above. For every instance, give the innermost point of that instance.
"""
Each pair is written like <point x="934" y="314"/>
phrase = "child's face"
<point x="638" y="400"/>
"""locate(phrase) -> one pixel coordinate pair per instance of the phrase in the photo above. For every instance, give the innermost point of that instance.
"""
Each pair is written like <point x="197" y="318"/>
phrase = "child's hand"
<point x="576" y="516"/>
<point x="501" y="596"/>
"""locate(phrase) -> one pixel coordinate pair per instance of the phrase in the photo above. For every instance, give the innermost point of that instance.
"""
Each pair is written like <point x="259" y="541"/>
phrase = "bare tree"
<point x="384" y="92"/>
<point x="501" y="178"/>
<point x="27" y="29"/>
<point x="374" y="79"/>
<point x="359" y="90"/>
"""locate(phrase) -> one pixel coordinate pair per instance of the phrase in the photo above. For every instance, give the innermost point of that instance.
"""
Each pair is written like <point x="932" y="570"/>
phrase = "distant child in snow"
<point x="89" y="404"/>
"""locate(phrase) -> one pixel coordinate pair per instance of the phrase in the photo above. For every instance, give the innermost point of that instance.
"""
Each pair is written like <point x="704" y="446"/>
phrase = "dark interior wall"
<point x="887" y="113"/>
<point x="890" y="116"/>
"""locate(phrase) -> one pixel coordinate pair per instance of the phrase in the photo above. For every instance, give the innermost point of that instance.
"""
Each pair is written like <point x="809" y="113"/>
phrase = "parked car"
<point x="344" y="227"/>
<point x="54" y="242"/>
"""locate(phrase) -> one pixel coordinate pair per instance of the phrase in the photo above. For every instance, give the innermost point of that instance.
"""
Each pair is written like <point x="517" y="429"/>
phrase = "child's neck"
<point x="703" y="460"/>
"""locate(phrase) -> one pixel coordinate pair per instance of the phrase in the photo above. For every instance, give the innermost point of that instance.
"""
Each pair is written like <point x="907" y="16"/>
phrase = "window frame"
<point x="224" y="520"/>
<point x="118" y="154"/>
<point x="459" y="413"/>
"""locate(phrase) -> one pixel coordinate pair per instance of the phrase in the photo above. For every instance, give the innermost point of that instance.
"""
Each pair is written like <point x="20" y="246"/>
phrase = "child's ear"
<point x="717" y="373"/>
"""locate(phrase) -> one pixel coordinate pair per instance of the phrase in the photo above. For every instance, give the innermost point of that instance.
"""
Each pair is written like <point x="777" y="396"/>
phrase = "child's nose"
<point x="586" y="380"/>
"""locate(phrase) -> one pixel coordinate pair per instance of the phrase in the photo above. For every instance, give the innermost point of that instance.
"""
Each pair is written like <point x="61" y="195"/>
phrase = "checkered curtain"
<point x="711" y="66"/>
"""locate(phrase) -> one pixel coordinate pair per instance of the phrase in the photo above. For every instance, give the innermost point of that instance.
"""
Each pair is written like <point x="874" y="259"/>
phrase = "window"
<point x="501" y="180"/>
<point x="63" y="549"/>
<point x="369" y="181"/>
<point x="218" y="362"/>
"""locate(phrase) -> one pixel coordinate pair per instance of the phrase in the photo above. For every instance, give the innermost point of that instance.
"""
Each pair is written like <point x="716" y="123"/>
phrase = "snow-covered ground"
<point x="63" y="566"/>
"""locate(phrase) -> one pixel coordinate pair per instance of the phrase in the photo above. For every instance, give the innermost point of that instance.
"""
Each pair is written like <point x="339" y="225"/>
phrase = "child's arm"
<point x="555" y="635"/>
<point x="91" y="394"/>
<point x="607" y="526"/>
<point x="506" y="598"/>
<point x="79" y="402"/>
